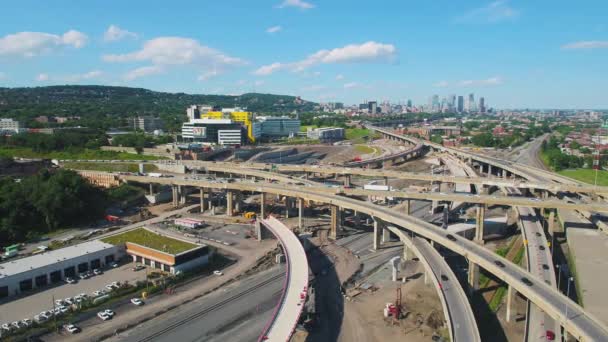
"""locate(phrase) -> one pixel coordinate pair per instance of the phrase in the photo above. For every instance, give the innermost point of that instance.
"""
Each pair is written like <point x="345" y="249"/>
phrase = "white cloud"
<point x="493" y="12"/>
<point x="42" y="77"/>
<point x="208" y="75"/>
<point x="441" y="84"/>
<point x="351" y="85"/>
<point x="86" y="76"/>
<point x="354" y="53"/>
<point x="142" y="72"/>
<point x="268" y="69"/>
<point x="274" y="29"/>
<point x="115" y="33"/>
<point x="313" y="88"/>
<point x="296" y="3"/>
<point x="163" y="52"/>
<point x="339" y="77"/>
<point x="492" y="81"/>
<point x="591" y="44"/>
<point x="30" y="44"/>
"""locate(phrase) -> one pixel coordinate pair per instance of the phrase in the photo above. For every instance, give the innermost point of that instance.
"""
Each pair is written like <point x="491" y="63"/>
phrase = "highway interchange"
<point x="582" y="325"/>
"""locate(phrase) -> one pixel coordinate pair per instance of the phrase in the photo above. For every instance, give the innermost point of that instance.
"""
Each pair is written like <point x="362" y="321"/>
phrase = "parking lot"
<point x="27" y="307"/>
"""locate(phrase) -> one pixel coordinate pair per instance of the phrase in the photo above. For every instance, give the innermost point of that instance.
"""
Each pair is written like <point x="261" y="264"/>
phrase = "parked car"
<point x="114" y="265"/>
<point x="97" y="271"/>
<point x="26" y="322"/>
<point x="6" y="327"/>
<point x="83" y="276"/>
<point x="104" y="316"/>
<point x="109" y="287"/>
<point x="137" y="301"/>
<point x="69" y="301"/>
<point x="16" y="325"/>
<point x="70" y="280"/>
<point x="109" y="312"/>
<point x="218" y="273"/>
<point x="72" y="329"/>
<point x="99" y="293"/>
<point x="59" y="302"/>
<point x="138" y="268"/>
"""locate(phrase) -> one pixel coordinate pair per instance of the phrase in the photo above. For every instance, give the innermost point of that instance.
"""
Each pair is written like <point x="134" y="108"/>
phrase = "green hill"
<point x="102" y="106"/>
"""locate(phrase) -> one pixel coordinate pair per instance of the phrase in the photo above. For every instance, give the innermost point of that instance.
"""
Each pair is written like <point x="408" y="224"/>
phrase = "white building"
<point x="37" y="271"/>
<point x="10" y="126"/>
<point x="326" y="134"/>
<point x="229" y="137"/>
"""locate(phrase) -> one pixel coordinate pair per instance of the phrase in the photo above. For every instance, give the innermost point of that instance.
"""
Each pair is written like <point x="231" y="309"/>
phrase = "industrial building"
<point x="21" y="275"/>
<point x="160" y="252"/>
<point x="326" y="134"/>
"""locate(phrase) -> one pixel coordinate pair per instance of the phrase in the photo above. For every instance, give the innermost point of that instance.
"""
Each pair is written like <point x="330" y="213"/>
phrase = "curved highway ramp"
<point x="287" y="313"/>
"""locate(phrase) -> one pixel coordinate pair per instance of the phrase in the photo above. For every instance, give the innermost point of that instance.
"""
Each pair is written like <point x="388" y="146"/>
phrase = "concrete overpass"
<point x="287" y="314"/>
<point x="382" y="161"/>
<point x="578" y="322"/>
<point x="566" y="184"/>
<point x="456" y="308"/>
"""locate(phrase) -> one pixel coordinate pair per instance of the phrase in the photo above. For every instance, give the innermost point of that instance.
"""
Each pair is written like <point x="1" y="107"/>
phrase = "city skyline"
<point x="315" y="50"/>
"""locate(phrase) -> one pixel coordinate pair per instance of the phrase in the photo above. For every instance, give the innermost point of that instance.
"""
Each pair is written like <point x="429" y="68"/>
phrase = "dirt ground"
<point x="364" y="320"/>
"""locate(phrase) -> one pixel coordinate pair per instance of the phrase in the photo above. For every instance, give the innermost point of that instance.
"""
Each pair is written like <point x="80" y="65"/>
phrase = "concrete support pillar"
<point x="544" y="194"/>
<point x="237" y="201"/>
<point x="489" y="170"/>
<point x="151" y="189"/>
<point x="504" y="173"/>
<point x="377" y="229"/>
<point x="473" y="276"/>
<point x="335" y="227"/>
<point x="479" y="217"/>
<point x="386" y="235"/>
<point x="407" y="206"/>
<point x="347" y="180"/>
<point x="287" y="206"/>
<point x="357" y="219"/>
<point x="551" y="223"/>
<point x="262" y="205"/>
<point x="385" y="180"/>
<point x="480" y="168"/>
<point x="182" y="195"/>
<point x="202" y="196"/>
<point x="510" y="293"/>
<point x="408" y="254"/>
<point x="300" y="212"/>
<point x="229" y="203"/>
<point x="175" y="199"/>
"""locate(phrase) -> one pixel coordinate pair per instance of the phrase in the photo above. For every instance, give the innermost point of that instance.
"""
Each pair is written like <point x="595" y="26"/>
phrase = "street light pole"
<point x="559" y="276"/>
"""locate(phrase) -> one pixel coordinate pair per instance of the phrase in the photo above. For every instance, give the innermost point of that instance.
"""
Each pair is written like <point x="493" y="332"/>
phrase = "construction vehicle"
<point x="394" y="309"/>
<point x="250" y="215"/>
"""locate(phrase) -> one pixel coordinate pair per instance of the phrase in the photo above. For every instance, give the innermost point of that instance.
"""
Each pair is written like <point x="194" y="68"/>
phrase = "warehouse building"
<point x="326" y="134"/>
<point x="21" y="275"/>
<point x="161" y="252"/>
<point x="278" y="126"/>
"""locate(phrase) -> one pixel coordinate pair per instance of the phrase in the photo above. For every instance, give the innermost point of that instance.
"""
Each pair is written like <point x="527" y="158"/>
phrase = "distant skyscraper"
<point x="471" y="103"/>
<point x="409" y="103"/>
<point x="460" y="104"/>
<point x="452" y="101"/>
<point x="482" y="104"/>
<point x="372" y="107"/>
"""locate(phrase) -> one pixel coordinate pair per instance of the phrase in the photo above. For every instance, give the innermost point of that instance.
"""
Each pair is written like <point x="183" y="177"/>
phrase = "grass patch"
<point x="109" y="167"/>
<point x="497" y="298"/>
<point x="306" y="127"/>
<point x="149" y="239"/>
<point x="25" y="152"/>
<point x="519" y="256"/>
<point x="586" y="176"/>
<point x="365" y="149"/>
<point x="357" y="134"/>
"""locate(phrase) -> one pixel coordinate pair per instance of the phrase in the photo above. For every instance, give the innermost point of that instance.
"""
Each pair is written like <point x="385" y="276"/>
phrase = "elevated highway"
<point x="227" y="167"/>
<point x="578" y="322"/>
<point x="295" y="290"/>
<point x="456" y="308"/>
<point x="402" y="156"/>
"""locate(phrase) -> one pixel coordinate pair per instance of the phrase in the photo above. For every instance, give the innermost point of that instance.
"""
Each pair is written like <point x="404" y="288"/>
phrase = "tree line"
<point x="50" y="200"/>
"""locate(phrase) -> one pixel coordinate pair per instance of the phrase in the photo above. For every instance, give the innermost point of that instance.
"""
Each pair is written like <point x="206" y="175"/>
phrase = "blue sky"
<point x="518" y="54"/>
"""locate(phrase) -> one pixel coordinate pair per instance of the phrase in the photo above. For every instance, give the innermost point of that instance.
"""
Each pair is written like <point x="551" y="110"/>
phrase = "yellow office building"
<point x="245" y="118"/>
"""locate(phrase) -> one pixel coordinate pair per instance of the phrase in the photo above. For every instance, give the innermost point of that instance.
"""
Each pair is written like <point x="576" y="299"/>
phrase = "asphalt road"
<point x="249" y="301"/>
<point x="464" y="326"/>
